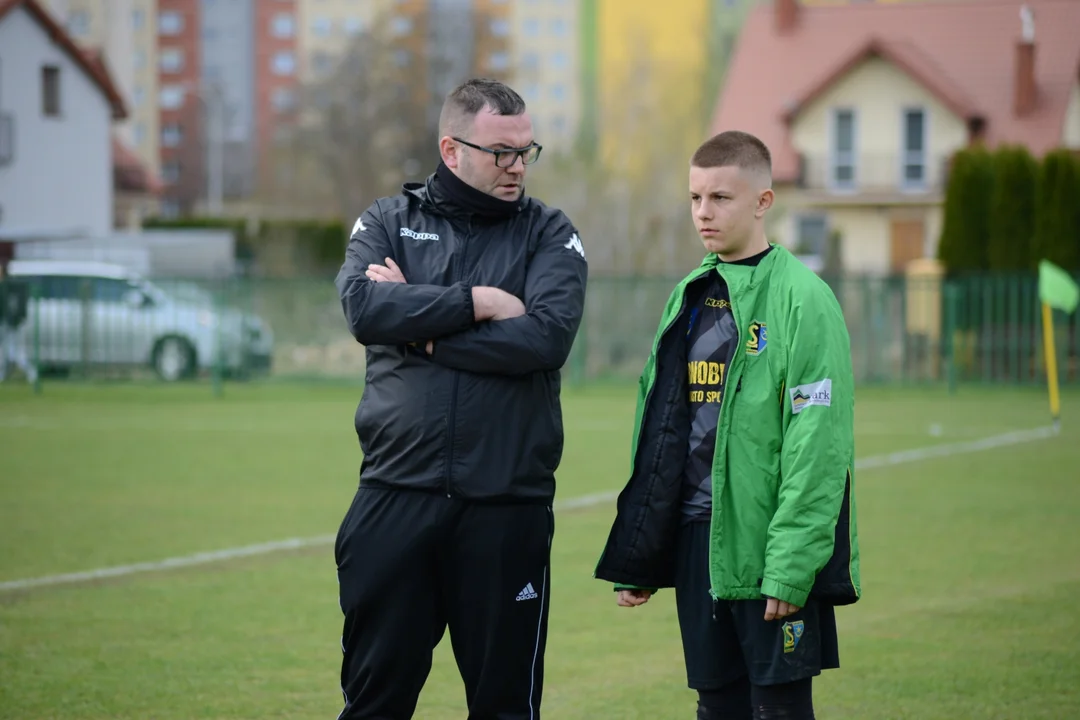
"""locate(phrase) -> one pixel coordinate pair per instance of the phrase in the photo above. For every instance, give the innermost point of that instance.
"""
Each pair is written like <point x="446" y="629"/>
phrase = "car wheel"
<point x="174" y="359"/>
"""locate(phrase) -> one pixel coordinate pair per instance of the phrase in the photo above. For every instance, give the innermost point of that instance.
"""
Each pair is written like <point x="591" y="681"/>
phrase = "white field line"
<point x="586" y="501"/>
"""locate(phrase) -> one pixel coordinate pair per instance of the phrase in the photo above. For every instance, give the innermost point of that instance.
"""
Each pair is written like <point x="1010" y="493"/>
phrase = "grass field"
<point x="971" y="561"/>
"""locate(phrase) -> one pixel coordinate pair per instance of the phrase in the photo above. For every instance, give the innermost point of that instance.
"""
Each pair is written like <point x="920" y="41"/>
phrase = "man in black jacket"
<point x="467" y="295"/>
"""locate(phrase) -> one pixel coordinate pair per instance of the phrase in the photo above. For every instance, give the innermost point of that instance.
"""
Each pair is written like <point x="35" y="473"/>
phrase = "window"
<point x="811" y="232"/>
<point x="843" y="149"/>
<point x="402" y="58"/>
<point x="530" y="60"/>
<point x="171" y="60"/>
<point x="321" y="26"/>
<point x="354" y="26"/>
<point x="170" y="171"/>
<point x="170" y="208"/>
<point x="914" y="149"/>
<point x="322" y="62"/>
<point x="401" y="25"/>
<point x="498" y="61"/>
<point x="558" y="27"/>
<point x="559" y="60"/>
<point x="78" y="22"/>
<point x="284" y="63"/>
<point x="282" y="26"/>
<point x="531" y="27"/>
<point x="500" y="27"/>
<point x="138" y="17"/>
<point x="140" y="132"/>
<point x="139" y="59"/>
<point x="558" y="125"/>
<point x="138" y="96"/>
<point x="172" y="134"/>
<point x="283" y="99"/>
<point x="59" y="287"/>
<point x="110" y="290"/>
<point x="170" y="22"/>
<point x="50" y="91"/>
<point x="171" y="97"/>
<point x="557" y="91"/>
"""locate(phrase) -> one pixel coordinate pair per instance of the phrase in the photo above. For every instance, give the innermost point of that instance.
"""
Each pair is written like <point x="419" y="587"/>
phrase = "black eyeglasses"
<point x="506" y="157"/>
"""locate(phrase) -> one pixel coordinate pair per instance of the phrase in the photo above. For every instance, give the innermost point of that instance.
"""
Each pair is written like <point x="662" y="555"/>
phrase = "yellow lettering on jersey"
<point x="713" y="302"/>
<point x="706" y="373"/>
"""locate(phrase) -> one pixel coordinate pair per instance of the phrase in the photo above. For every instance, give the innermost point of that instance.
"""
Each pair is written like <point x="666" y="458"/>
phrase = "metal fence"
<point x="903" y="330"/>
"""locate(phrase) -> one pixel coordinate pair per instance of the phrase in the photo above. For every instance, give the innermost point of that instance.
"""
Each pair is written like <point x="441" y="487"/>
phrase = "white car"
<point x="95" y="313"/>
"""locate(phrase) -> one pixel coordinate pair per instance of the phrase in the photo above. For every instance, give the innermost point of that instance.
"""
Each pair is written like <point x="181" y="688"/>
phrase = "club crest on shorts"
<point x="759" y="338"/>
<point x="793" y="632"/>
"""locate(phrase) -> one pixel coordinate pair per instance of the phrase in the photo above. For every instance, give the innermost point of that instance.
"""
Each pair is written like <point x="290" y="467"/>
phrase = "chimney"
<point x="1024" y="90"/>
<point x="786" y="14"/>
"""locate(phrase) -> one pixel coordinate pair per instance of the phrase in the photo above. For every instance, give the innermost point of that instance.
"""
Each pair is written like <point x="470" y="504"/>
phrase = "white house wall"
<point x="61" y="174"/>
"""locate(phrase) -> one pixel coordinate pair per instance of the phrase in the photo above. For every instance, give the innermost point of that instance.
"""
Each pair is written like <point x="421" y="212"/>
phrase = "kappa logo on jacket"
<point x="574" y="243"/>
<point x="406" y="232"/>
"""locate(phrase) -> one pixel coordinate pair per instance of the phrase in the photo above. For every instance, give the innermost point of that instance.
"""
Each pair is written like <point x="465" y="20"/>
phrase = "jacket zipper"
<point x="724" y="405"/>
<point x="450" y="416"/>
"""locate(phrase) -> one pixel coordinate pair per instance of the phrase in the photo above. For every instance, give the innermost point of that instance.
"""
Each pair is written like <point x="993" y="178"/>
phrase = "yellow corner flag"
<point x="1057" y="290"/>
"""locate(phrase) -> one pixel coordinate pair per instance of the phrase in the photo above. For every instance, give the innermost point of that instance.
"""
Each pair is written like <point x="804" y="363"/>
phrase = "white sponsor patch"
<point x="406" y="232"/>
<point x="359" y="226"/>
<point x="803" y="396"/>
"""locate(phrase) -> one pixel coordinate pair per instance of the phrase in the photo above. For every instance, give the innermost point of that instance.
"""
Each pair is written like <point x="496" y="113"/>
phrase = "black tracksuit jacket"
<point x="480" y="418"/>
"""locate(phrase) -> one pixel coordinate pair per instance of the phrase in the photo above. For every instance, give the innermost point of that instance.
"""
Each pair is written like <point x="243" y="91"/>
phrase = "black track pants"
<point x="411" y="564"/>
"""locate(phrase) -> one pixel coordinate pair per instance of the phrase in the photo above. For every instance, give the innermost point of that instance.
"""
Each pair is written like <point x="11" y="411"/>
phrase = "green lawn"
<point x="969" y="561"/>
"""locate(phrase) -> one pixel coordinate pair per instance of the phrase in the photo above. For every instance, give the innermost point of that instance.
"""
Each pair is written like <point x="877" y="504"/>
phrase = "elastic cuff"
<point x="786" y="593"/>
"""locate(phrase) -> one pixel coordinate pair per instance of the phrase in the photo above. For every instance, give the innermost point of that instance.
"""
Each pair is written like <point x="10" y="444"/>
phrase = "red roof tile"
<point x="89" y="62"/>
<point x="962" y="52"/>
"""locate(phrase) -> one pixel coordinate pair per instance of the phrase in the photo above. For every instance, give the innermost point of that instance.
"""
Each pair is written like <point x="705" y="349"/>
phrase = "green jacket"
<point x="783" y="519"/>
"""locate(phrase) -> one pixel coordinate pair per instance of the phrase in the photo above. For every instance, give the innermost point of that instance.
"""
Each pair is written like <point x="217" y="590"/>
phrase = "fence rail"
<point x="903" y="330"/>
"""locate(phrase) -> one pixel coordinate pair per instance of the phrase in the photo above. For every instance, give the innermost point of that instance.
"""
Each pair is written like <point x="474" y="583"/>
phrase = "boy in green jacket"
<point x="741" y="491"/>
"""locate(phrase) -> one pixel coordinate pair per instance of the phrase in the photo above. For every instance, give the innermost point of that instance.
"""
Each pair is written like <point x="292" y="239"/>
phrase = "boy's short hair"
<point x="734" y="148"/>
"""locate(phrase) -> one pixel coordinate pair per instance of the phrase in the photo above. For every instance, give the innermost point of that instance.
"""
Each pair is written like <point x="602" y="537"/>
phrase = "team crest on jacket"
<point x="758" y="338"/>
<point x="793" y="632"/>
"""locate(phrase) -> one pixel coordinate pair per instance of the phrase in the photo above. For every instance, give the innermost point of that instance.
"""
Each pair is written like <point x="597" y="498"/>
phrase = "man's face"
<point x="726" y="203"/>
<point x="477" y="168"/>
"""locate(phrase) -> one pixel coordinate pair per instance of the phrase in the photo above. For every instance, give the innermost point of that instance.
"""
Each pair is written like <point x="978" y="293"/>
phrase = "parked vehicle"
<point x="102" y="314"/>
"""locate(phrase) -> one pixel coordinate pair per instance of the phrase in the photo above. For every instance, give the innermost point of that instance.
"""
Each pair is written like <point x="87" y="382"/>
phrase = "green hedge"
<point x="1006" y="210"/>
<point x="322" y="242"/>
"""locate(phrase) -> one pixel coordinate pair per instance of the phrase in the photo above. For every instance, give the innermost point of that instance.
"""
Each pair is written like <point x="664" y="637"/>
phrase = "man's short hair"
<point x="734" y="148"/>
<point x="470" y="97"/>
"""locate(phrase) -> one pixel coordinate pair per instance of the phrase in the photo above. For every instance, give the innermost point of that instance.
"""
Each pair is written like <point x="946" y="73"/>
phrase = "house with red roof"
<point x="62" y="171"/>
<point x="862" y="106"/>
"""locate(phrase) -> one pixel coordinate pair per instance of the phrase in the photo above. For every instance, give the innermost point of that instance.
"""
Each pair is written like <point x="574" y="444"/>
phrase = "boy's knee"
<point x="731" y="702"/>
<point x="787" y="701"/>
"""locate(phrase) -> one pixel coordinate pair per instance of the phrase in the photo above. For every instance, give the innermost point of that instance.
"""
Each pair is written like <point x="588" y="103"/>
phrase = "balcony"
<point x="7" y="139"/>
<point x="868" y="179"/>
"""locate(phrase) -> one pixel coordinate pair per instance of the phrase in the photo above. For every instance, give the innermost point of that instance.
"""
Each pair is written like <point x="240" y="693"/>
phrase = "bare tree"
<point x="629" y="198"/>
<point x="372" y="124"/>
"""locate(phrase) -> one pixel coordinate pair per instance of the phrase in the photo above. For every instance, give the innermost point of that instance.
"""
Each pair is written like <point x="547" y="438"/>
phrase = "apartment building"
<point x="545" y="41"/>
<point x="228" y="82"/>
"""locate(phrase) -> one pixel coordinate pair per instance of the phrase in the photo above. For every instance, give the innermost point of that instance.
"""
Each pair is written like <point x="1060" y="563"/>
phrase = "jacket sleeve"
<point x="818" y="447"/>
<point x="388" y="313"/>
<point x="541" y="338"/>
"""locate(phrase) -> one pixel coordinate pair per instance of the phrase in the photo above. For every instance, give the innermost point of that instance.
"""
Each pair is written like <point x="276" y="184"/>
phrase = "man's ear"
<point x="449" y="151"/>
